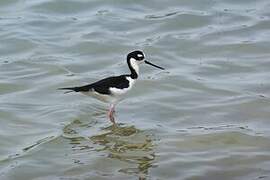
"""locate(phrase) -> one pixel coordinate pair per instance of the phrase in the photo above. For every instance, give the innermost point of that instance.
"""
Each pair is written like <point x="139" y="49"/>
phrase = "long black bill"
<point x="147" y="62"/>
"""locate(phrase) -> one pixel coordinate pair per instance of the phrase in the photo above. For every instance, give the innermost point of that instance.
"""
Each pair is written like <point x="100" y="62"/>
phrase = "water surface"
<point x="205" y="117"/>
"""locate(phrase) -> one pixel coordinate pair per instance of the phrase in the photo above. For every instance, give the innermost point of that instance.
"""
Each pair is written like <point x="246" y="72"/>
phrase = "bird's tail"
<point x="70" y="89"/>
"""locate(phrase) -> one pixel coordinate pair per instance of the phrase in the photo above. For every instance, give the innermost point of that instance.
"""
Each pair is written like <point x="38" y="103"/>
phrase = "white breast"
<point x="116" y="96"/>
<point x="120" y="92"/>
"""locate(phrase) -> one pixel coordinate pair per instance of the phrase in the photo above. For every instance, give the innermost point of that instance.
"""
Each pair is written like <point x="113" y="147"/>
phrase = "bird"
<point x="112" y="89"/>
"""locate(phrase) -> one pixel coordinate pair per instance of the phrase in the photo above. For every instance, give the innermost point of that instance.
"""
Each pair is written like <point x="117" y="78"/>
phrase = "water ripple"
<point x="205" y="117"/>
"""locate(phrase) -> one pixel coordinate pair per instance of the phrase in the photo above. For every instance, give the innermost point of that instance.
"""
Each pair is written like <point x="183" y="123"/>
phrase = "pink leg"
<point x="111" y="113"/>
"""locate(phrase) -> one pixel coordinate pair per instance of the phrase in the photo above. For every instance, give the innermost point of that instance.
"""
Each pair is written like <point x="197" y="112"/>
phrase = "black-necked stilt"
<point x="113" y="88"/>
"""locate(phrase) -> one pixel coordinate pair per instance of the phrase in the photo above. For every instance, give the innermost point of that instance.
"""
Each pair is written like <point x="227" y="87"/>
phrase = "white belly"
<point x="101" y="97"/>
<point x="116" y="94"/>
<point x="121" y="92"/>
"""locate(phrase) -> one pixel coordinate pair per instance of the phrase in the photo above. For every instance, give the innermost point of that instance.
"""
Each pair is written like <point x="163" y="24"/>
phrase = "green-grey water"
<point x="205" y="117"/>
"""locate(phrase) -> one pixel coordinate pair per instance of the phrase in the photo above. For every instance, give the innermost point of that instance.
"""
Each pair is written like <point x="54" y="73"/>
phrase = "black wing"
<point x="103" y="85"/>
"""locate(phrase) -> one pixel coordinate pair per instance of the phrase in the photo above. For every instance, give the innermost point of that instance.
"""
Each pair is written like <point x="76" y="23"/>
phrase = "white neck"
<point x="134" y="65"/>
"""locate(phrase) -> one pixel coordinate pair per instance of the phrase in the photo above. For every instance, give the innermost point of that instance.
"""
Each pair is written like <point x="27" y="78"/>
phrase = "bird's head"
<point x="135" y="58"/>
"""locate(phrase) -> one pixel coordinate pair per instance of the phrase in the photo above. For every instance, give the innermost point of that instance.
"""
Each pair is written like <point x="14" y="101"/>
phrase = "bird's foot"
<point x="111" y="114"/>
<point x="111" y="117"/>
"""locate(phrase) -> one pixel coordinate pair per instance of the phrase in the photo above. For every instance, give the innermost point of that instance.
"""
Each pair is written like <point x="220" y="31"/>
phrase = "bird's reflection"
<point x="128" y="144"/>
<point x="124" y="143"/>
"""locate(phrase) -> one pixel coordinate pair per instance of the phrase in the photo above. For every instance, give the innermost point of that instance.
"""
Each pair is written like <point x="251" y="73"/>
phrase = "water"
<point x="205" y="117"/>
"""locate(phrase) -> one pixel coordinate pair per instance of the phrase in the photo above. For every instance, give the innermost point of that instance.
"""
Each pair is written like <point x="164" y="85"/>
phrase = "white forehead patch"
<point x="139" y="55"/>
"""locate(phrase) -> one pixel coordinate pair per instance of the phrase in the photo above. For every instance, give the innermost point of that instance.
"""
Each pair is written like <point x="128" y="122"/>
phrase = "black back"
<point x="103" y="85"/>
